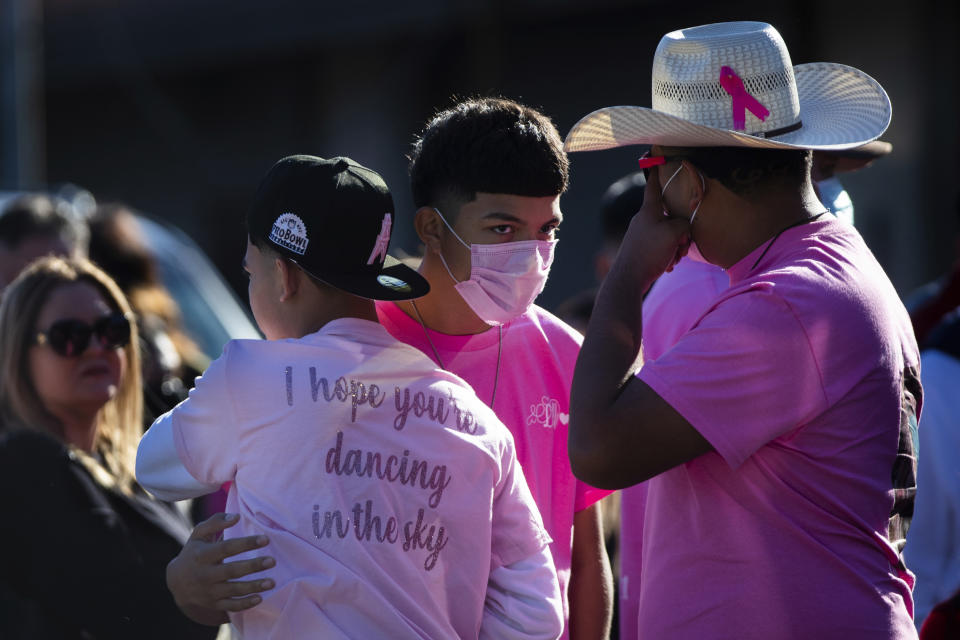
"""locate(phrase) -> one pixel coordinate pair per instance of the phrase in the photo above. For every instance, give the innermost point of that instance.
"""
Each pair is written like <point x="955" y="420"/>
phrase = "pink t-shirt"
<point x="674" y="304"/>
<point x="533" y="401"/>
<point x="388" y="489"/>
<point x="803" y="376"/>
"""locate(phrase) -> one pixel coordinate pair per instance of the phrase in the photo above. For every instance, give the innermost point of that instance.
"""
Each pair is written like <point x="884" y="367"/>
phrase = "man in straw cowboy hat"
<point x="780" y="431"/>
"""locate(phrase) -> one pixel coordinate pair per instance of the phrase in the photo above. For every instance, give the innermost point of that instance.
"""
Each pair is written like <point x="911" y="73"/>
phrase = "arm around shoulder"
<point x="159" y="468"/>
<point x="192" y="449"/>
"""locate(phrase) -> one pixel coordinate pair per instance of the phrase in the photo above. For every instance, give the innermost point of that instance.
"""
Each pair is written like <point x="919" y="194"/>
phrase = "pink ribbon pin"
<point x="742" y="100"/>
<point x="383" y="240"/>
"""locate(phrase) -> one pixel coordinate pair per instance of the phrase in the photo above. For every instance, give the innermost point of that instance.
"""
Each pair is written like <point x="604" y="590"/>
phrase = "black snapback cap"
<point x="333" y="218"/>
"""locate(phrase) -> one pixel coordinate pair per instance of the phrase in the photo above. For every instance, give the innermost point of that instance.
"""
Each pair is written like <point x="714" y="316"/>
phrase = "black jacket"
<point x="82" y="561"/>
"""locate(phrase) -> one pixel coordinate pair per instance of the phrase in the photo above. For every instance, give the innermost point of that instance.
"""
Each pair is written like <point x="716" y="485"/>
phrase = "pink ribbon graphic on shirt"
<point x="383" y="240"/>
<point x="742" y="100"/>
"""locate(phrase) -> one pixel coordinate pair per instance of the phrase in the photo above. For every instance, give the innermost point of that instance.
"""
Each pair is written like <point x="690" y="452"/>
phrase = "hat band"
<point x="779" y="132"/>
<point x="686" y="92"/>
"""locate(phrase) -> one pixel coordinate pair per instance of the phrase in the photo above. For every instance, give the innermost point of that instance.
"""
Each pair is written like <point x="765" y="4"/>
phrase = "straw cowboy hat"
<point x="732" y="85"/>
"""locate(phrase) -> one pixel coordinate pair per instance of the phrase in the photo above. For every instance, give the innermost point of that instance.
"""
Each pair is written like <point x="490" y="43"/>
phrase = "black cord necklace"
<point x="789" y="226"/>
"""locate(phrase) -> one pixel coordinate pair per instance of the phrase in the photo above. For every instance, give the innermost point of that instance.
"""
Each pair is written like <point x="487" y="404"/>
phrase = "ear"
<point x="288" y="276"/>
<point x="696" y="185"/>
<point x="429" y="228"/>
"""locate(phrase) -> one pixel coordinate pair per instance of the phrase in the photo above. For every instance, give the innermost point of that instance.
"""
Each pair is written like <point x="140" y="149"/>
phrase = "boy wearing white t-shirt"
<point x="391" y="495"/>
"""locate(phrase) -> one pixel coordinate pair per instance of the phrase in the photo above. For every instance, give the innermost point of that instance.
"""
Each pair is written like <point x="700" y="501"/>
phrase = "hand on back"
<point x="203" y="585"/>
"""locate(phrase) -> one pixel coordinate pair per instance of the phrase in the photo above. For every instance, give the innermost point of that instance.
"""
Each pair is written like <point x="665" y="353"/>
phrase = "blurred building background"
<point x="179" y="107"/>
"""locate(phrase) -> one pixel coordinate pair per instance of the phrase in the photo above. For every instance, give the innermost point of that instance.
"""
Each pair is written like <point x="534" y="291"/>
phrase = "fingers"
<point x="216" y="552"/>
<point x="238" y="604"/>
<point x="212" y="527"/>
<point x="241" y="568"/>
<point x="651" y="195"/>
<point x="238" y="589"/>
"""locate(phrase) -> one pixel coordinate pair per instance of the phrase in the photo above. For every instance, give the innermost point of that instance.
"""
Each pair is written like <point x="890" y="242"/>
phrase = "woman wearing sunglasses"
<point x="86" y="548"/>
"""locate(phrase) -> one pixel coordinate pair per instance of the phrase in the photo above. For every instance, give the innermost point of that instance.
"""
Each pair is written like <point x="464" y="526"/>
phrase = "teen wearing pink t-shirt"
<point x="780" y="432"/>
<point x="390" y="494"/>
<point x="486" y="177"/>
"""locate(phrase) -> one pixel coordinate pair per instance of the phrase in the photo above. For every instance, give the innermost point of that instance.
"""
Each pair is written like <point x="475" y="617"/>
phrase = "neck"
<point x="317" y="313"/>
<point x="443" y="310"/>
<point x="747" y="224"/>
<point x="79" y="430"/>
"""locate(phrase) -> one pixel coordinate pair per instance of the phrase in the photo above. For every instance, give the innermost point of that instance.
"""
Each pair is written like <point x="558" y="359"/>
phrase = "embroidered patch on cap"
<point x="394" y="283"/>
<point x="290" y="233"/>
<point x="379" y="252"/>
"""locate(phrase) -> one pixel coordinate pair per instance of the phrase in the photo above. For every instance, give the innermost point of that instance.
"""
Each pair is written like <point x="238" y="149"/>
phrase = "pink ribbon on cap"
<point x="742" y="100"/>
<point x="383" y="240"/>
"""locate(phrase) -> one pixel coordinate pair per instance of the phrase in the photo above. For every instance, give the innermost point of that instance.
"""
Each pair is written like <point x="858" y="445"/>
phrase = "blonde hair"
<point x="119" y="422"/>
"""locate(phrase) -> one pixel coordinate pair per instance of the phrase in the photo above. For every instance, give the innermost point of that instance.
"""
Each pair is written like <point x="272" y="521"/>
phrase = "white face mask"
<point x="505" y="278"/>
<point x="693" y="252"/>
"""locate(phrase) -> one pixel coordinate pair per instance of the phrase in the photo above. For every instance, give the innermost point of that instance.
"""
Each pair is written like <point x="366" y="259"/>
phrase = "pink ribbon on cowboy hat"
<point x="742" y="100"/>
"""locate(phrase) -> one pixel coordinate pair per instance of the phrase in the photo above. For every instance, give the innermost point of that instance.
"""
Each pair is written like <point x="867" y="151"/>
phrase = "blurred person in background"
<point x="934" y="545"/>
<point x="170" y="359"/>
<point x="943" y="623"/>
<point x="88" y="547"/>
<point x="34" y="225"/>
<point x="619" y="203"/>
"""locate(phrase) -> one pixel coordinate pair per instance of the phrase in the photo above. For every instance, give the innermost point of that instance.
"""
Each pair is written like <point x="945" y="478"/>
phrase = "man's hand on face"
<point x="654" y="242"/>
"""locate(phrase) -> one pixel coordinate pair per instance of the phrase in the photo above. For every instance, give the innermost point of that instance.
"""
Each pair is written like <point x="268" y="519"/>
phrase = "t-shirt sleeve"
<point x="587" y="496"/>
<point x="206" y="429"/>
<point x="517" y="528"/>
<point x="744" y="376"/>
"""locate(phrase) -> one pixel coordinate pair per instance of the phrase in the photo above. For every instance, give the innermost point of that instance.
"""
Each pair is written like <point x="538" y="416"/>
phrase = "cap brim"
<point x="395" y="281"/>
<point x="840" y="107"/>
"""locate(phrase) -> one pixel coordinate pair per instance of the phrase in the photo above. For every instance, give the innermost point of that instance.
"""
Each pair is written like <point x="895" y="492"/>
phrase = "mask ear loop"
<point x="440" y="253"/>
<point x="451" y="228"/>
<point x="703" y="185"/>
<point x="670" y="179"/>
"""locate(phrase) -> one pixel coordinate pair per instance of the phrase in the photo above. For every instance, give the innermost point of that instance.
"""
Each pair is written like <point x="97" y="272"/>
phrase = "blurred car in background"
<point x="212" y="314"/>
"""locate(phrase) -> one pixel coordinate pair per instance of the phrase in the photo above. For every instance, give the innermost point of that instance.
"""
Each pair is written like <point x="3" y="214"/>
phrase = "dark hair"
<point x="118" y="246"/>
<point x="33" y="215"/>
<point x="620" y="202"/>
<point x="491" y="145"/>
<point x="747" y="171"/>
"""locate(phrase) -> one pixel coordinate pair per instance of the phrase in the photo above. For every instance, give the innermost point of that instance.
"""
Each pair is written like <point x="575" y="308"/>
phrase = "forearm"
<point x="591" y="580"/>
<point x="608" y="359"/>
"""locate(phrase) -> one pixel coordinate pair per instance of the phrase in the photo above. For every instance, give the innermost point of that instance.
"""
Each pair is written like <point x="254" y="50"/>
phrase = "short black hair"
<point x="747" y="171"/>
<point x="620" y="203"/>
<point x="491" y="145"/>
<point x="36" y="214"/>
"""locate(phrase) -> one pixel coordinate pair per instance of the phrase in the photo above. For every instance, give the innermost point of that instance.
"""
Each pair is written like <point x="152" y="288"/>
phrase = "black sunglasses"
<point x="70" y="337"/>
<point x="647" y="161"/>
